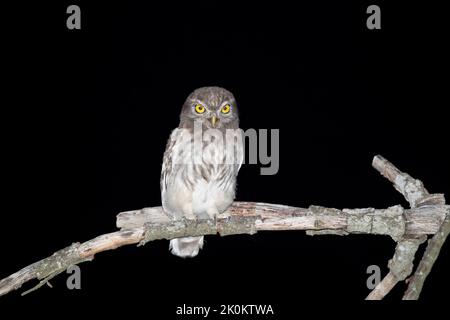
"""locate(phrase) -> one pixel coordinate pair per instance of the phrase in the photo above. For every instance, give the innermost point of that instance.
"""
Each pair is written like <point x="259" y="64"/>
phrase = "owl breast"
<point x="203" y="186"/>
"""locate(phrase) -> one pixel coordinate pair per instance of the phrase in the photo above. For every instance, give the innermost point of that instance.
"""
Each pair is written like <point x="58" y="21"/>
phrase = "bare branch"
<point x="434" y="246"/>
<point x="393" y="221"/>
<point x="383" y="288"/>
<point x="74" y="254"/>
<point x="408" y="227"/>
<point x="400" y="267"/>
<point x="402" y="264"/>
<point x="412" y="189"/>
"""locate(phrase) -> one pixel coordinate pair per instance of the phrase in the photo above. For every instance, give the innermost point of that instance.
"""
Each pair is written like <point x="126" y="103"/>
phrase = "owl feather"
<point x="200" y="183"/>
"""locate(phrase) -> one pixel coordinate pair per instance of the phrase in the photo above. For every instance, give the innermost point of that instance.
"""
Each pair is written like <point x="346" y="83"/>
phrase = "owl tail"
<point x="186" y="247"/>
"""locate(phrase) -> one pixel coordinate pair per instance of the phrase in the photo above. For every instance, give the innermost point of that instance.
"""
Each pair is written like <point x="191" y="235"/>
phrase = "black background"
<point x="92" y="110"/>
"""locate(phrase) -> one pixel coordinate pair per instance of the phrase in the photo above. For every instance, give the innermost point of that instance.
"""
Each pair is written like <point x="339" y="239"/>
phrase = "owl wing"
<point x="239" y="150"/>
<point x="167" y="164"/>
<point x="178" y="153"/>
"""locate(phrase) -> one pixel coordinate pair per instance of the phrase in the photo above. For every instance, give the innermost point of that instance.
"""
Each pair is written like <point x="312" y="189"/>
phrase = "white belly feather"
<point x="199" y="190"/>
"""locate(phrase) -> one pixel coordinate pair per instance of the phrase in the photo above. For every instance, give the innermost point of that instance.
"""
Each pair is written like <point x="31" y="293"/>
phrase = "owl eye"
<point x="226" y="109"/>
<point x="199" y="108"/>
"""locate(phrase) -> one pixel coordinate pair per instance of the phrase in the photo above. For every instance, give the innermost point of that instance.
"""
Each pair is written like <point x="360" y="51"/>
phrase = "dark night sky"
<point x="93" y="108"/>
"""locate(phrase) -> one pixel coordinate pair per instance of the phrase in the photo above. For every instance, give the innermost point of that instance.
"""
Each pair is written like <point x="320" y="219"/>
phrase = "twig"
<point x="383" y="287"/>
<point x="400" y="267"/>
<point x="76" y="253"/>
<point x="412" y="189"/>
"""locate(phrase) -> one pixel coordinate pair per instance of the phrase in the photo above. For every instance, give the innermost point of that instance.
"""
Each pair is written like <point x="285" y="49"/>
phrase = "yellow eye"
<point x="226" y="108"/>
<point x="199" y="108"/>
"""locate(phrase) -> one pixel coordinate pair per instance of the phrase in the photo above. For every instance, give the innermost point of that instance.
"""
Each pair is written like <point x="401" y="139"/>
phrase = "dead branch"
<point x="401" y="265"/>
<point x="431" y="253"/>
<point x="408" y="227"/>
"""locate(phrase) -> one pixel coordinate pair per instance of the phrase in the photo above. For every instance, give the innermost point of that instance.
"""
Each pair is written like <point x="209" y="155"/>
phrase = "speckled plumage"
<point x="201" y="187"/>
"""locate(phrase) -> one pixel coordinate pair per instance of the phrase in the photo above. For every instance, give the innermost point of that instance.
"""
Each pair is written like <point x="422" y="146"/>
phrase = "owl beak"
<point x="214" y="120"/>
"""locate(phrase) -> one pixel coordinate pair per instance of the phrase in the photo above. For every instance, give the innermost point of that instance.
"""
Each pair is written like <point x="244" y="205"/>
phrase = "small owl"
<point x="201" y="162"/>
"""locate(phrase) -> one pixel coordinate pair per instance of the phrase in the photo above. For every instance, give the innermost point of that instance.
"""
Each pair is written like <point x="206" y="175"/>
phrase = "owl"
<point x="201" y="162"/>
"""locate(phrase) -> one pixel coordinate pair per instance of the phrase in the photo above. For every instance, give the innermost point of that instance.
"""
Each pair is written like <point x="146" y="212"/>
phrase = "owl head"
<point x="214" y="107"/>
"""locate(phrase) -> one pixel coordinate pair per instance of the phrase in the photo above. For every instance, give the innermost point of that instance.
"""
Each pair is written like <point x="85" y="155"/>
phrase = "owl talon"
<point x="190" y="217"/>
<point x="225" y="216"/>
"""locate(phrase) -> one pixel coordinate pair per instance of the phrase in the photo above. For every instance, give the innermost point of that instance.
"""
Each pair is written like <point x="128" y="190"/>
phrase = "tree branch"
<point x="402" y="264"/>
<point x="408" y="227"/>
<point x="431" y="253"/>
